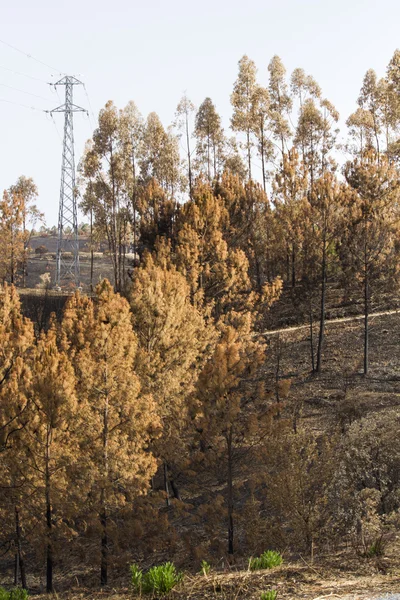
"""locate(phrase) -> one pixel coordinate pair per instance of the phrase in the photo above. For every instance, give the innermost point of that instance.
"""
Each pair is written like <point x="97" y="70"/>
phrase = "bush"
<point x="136" y="578"/>
<point x="14" y="594"/>
<point x="41" y="250"/>
<point x="270" y="595"/>
<point x="158" y="580"/>
<point x="267" y="560"/>
<point x="205" y="567"/>
<point x="18" y="594"/>
<point x="377" y="548"/>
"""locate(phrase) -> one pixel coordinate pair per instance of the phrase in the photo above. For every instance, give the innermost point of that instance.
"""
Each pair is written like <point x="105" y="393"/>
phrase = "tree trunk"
<point x="287" y="263"/>
<point x="208" y="157"/>
<point x="49" y="548"/>
<point x="20" y="558"/>
<point x="366" y="324"/>
<point x="249" y="153"/>
<point x="16" y="568"/>
<point x="103" y="502"/>
<point x="175" y="489"/>
<point x="166" y="488"/>
<point x="293" y="266"/>
<point x="91" y="249"/>
<point x="25" y="251"/>
<point x="230" y="493"/>
<point x="312" y="337"/>
<point x="104" y="542"/>
<point x="322" y="315"/>
<point x="134" y="199"/>
<point x="263" y="159"/>
<point x="188" y="155"/>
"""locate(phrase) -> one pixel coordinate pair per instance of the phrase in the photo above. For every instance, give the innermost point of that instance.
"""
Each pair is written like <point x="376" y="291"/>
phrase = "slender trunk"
<point x="278" y="367"/>
<point x="215" y="160"/>
<point x="114" y="221"/>
<point x="322" y="315"/>
<point x="19" y="555"/>
<point x="208" y="157"/>
<point x="258" y="273"/>
<point x="293" y="266"/>
<point x="16" y="568"/>
<point x="287" y="263"/>
<point x="263" y="159"/>
<point x="175" y="489"/>
<point x="134" y="199"/>
<point x="91" y="249"/>
<point x="124" y="257"/>
<point x="249" y="152"/>
<point x="312" y="337"/>
<point x="166" y="487"/>
<point x="49" y="548"/>
<point x="104" y="542"/>
<point x="366" y="324"/>
<point x="25" y="251"/>
<point x="12" y="264"/>
<point x="103" y="501"/>
<point x="230" y="493"/>
<point x="188" y="155"/>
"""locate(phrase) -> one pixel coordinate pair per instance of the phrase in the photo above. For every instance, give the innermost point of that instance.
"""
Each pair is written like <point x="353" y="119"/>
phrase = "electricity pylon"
<point x="67" y="261"/>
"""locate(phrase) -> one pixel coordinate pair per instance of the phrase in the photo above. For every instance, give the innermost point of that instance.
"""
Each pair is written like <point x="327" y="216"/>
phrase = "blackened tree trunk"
<point x="103" y="501"/>
<point x="293" y="266"/>
<point x="104" y="543"/>
<point x="49" y="547"/>
<point x="166" y="487"/>
<point x="264" y="178"/>
<point x="91" y="249"/>
<point x="20" y="558"/>
<point x="366" y="323"/>
<point x="248" y="152"/>
<point x="230" y="492"/>
<point x="322" y="315"/>
<point x="312" y="336"/>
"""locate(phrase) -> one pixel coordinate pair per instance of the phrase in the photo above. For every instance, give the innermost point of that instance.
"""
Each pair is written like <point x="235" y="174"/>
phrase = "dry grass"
<point x="292" y="581"/>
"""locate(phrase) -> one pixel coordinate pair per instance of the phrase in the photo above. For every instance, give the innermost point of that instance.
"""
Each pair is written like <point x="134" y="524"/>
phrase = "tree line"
<point x="310" y="220"/>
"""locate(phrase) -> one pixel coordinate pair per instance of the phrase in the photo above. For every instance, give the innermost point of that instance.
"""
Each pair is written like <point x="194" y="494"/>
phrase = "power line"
<point x="11" y="87"/>
<point x="24" y="105"/>
<point x="22" y="74"/>
<point x="31" y="57"/>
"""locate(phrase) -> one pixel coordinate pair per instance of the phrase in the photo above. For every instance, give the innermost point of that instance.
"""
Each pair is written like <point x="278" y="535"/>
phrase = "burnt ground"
<point x="319" y="395"/>
<point x="322" y="580"/>
<point x="38" y="264"/>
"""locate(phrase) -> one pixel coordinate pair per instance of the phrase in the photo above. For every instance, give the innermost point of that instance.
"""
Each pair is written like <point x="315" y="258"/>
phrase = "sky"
<point x="152" y="52"/>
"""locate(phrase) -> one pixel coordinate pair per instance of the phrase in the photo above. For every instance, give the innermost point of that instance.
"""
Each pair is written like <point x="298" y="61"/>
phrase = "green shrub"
<point x="158" y="580"/>
<point x="136" y="578"/>
<point x="377" y="548"/>
<point x="205" y="567"/>
<point x="18" y="594"/>
<point x="14" y="594"/>
<point x="270" y="595"/>
<point x="267" y="560"/>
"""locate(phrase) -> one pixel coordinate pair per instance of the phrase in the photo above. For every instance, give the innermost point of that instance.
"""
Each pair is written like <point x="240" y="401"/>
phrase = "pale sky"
<point x="151" y="52"/>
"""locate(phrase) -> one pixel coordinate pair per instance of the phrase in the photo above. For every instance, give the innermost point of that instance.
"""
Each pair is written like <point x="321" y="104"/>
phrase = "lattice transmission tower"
<point x="67" y="260"/>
